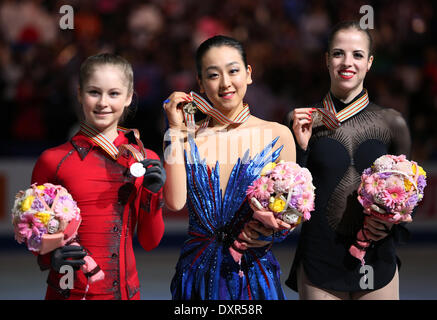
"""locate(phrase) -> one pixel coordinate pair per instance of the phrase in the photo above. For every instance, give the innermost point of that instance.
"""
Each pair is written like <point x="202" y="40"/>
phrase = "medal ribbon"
<point x="103" y="142"/>
<point x="332" y="119"/>
<point x="211" y="112"/>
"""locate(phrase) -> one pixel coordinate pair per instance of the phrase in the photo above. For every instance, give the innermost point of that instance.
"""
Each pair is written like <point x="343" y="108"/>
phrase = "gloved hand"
<point x="155" y="175"/>
<point x="60" y="255"/>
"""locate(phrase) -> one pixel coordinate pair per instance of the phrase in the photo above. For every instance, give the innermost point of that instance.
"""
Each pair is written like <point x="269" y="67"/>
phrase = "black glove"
<point x="60" y="255"/>
<point x="155" y="175"/>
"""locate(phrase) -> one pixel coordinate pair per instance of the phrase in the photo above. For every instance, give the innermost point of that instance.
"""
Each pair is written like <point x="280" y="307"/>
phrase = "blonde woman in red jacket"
<point x="114" y="197"/>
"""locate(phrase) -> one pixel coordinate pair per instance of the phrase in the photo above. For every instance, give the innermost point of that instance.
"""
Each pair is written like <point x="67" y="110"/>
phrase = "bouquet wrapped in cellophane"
<point x="46" y="217"/>
<point x="389" y="190"/>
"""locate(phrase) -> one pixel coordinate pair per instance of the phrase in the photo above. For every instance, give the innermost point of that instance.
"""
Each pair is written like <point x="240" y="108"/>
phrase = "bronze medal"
<point x="317" y="118"/>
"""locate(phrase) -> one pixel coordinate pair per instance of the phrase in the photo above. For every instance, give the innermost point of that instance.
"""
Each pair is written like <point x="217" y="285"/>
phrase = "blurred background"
<point x="285" y="42"/>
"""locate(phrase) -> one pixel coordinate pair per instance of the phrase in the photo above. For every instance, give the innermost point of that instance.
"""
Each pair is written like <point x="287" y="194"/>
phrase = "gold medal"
<point x="190" y="108"/>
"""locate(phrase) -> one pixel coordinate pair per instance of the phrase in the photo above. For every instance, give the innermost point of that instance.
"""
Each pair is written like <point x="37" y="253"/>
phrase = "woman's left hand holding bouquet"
<point x="251" y="232"/>
<point x="69" y="255"/>
<point x="377" y="229"/>
<point x="248" y="238"/>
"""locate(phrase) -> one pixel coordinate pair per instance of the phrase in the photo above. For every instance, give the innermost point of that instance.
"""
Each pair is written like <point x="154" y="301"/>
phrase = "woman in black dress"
<point x="336" y="140"/>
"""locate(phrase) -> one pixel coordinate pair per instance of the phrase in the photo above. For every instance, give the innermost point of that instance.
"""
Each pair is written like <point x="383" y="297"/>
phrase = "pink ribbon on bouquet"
<point x="362" y="242"/>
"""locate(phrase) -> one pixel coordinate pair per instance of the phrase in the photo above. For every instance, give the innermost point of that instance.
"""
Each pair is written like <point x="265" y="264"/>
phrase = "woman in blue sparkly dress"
<point x="210" y="164"/>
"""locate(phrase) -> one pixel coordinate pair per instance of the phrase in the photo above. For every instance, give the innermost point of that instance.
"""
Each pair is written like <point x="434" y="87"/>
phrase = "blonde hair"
<point x="87" y="68"/>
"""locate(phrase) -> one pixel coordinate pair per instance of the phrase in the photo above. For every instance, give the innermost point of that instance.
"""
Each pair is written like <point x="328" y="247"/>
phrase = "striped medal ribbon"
<point x="136" y="169"/>
<point x="332" y="120"/>
<point x="201" y="104"/>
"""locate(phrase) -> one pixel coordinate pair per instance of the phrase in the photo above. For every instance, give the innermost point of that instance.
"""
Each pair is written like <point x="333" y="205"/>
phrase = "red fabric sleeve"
<point x="47" y="164"/>
<point x="150" y="227"/>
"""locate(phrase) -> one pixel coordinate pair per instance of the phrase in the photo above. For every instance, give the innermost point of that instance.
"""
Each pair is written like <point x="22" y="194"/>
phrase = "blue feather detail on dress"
<point x="205" y="269"/>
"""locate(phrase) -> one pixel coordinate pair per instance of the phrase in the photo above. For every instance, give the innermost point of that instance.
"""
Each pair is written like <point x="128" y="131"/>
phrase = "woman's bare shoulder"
<point x="276" y="127"/>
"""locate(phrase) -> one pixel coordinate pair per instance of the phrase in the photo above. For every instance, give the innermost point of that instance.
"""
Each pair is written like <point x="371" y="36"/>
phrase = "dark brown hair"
<point x="344" y="25"/>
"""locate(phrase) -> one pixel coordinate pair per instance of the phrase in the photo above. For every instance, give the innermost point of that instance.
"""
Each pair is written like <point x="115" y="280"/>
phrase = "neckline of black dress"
<point x="339" y="105"/>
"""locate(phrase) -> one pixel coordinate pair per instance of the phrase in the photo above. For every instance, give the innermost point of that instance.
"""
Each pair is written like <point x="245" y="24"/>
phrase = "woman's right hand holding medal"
<point x="302" y="125"/>
<point x="173" y="108"/>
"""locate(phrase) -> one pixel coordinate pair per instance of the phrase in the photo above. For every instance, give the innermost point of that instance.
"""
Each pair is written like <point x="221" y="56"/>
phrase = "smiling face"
<point x="104" y="96"/>
<point x="348" y="62"/>
<point x="224" y="79"/>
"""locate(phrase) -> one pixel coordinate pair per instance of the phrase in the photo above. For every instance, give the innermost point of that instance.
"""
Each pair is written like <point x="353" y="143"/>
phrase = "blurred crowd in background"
<point x="285" y="42"/>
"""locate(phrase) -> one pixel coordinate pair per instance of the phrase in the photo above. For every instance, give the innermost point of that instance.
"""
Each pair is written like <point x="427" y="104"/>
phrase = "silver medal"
<point x="137" y="169"/>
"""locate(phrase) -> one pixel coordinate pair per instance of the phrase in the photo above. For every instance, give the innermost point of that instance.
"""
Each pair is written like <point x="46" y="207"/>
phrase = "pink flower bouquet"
<point x="46" y="217"/>
<point x="390" y="189"/>
<point x="285" y="191"/>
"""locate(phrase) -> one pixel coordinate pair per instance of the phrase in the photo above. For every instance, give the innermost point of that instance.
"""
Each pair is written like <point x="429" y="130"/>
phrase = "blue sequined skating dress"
<point x="206" y="269"/>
